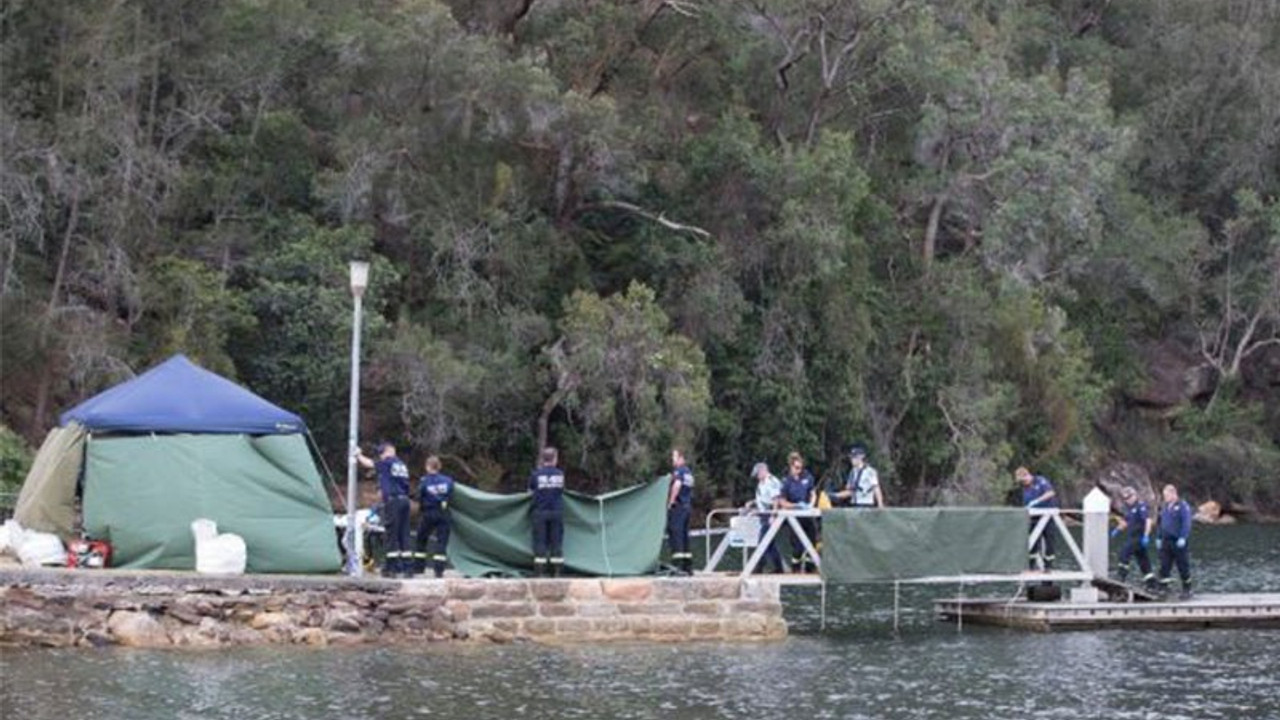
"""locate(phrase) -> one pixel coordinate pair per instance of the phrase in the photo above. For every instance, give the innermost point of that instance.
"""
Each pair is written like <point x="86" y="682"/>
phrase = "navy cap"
<point x="856" y="450"/>
<point x="382" y="447"/>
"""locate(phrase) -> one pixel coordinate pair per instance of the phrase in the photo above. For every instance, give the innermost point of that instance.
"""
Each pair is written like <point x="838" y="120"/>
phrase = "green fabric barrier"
<point x="141" y="494"/>
<point x="47" y="501"/>
<point x="619" y="533"/>
<point x="905" y="543"/>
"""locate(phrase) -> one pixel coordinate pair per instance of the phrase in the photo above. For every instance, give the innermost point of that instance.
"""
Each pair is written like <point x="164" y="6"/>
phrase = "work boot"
<point x="539" y="569"/>
<point x="686" y="566"/>
<point x="555" y="569"/>
<point x="438" y="569"/>
<point x="1150" y="582"/>
<point x="1122" y="573"/>
<point x="1186" y="590"/>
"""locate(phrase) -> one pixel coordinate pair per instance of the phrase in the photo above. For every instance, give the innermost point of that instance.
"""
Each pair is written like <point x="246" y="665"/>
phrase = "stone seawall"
<point x="58" y="608"/>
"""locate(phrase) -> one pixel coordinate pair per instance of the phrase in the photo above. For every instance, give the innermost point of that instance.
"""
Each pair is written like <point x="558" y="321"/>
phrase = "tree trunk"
<point x="931" y="231"/>
<point x="47" y="368"/>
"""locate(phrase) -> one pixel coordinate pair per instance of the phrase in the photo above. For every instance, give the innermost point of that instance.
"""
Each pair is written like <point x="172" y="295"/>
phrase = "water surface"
<point x="858" y="668"/>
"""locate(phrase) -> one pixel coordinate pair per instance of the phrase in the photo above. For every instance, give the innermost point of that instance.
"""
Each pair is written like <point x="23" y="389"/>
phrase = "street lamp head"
<point x="359" y="277"/>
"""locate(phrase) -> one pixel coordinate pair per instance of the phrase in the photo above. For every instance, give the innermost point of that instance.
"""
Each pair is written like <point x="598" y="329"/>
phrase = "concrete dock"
<point x="1258" y="610"/>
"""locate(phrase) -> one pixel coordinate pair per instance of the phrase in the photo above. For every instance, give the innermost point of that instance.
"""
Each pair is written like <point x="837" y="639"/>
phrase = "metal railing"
<point x="1046" y="520"/>
<point x="776" y="519"/>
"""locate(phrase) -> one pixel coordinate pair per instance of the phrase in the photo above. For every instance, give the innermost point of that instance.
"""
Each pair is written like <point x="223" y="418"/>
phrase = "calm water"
<point x="858" y="668"/>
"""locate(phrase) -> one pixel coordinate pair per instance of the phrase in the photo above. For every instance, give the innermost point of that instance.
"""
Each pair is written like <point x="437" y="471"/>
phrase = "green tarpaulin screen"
<point x="47" y="501"/>
<point x="141" y="494"/>
<point x="906" y="543"/>
<point x="615" y="534"/>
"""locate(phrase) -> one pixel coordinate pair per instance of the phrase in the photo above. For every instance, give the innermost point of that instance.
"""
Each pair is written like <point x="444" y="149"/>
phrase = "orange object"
<point x="89" y="554"/>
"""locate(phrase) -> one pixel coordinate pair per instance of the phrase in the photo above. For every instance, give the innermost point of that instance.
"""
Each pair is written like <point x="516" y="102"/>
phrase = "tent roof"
<point x="179" y="396"/>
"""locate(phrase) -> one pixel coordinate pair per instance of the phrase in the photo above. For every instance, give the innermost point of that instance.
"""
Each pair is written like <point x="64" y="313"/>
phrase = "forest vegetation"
<point x="969" y="234"/>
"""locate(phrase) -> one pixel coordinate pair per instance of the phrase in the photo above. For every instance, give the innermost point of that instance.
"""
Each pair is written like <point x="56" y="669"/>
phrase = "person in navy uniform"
<point x="1038" y="492"/>
<point x="1137" y="526"/>
<point x="679" y="510"/>
<point x="435" y="489"/>
<point x="799" y="493"/>
<point x="547" y="485"/>
<point x="393" y="481"/>
<point x="1173" y="538"/>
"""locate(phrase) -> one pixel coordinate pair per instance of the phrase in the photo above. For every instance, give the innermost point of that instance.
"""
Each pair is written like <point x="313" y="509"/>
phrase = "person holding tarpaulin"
<point x="434" y="491"/>
<point x="768" y="488"/>
<point x="393" y="481"/>
<point x="799" y="493"/>
<point x="547" y="485"/>
<point x="1038" y="492"/>
<point x="679" y="510"/>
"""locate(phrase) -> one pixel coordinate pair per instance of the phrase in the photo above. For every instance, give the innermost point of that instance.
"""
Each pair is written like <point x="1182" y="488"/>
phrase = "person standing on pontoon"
<point x="768" y="488"/>
<point x="799" y="493"/>
<point x="862" y="486"/>
<point x="1038" y="492"/>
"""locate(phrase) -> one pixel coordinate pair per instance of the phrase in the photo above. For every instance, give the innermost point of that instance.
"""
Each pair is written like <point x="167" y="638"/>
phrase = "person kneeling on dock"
<point x="1173" y="540"/>
<point x="434" y="491"/>
<point x="1136" y="525"/>
<point x="768" y="488"/>
<point x="547" y="485"/>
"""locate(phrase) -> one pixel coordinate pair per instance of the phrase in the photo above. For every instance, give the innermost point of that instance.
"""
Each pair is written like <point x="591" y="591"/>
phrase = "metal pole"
<point x="354" y="567"/>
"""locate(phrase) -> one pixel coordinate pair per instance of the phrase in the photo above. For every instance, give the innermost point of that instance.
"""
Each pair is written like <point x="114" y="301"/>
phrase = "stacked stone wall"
<point x="96" y="608"/>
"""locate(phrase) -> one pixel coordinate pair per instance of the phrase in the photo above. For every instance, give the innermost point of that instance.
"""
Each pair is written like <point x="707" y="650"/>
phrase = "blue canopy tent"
<point x="178" y="396"/>
<point x="175" y="444"/>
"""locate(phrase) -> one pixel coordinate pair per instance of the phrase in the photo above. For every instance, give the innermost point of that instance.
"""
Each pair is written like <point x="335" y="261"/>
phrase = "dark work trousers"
<point x="434" y="522"/>
<point x="1170" y="553"/>
<point x="396" y="522"/>
<point x="1044" y="546"/>
<point x="548" y="536"/>
<point x="771" y="558"/>
<point x="1133" y="548"/>
<point x="678" y="534"/>
<point x="810" y="527"/>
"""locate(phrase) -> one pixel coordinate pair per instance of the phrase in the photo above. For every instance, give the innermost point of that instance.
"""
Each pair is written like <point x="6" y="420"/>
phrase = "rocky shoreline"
<point x="63" y="608"/>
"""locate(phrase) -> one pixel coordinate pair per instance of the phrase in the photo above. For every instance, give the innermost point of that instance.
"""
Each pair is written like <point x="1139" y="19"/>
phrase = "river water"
<point x="857" y="668"/>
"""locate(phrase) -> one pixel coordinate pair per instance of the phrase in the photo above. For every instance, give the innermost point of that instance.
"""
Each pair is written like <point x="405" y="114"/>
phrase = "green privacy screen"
<point x="141" y="494"/>
<point x="906" y="543"/>
<point x="615" y="534"/>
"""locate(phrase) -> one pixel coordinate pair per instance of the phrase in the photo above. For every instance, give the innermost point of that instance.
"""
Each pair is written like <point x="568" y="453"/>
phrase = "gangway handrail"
<point x="777" y="518"/>
<point x="1043" y="517"/>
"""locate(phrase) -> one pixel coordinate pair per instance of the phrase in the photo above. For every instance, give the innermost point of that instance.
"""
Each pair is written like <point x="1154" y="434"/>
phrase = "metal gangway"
<point x="744" y="534"/>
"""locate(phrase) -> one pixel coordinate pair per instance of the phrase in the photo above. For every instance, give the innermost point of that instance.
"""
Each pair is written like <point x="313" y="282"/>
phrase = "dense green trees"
<point x="969" y="233"/>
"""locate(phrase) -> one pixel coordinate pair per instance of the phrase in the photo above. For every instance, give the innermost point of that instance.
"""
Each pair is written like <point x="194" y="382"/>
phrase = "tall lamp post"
<point x="359" y="281"/>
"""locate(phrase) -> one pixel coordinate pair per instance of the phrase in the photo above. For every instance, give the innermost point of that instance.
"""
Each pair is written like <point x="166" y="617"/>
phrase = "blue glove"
<point x="1182" y="542"/>
<point x="1115" y="533"/>
<point x="1159" y="542"/>
<point x="1146" y="540"/>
